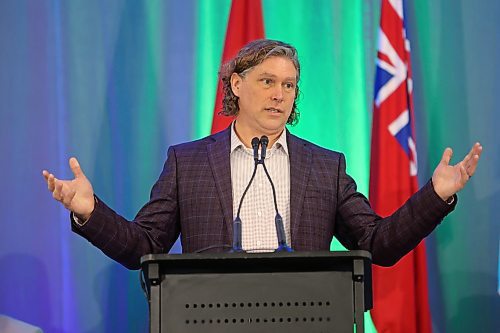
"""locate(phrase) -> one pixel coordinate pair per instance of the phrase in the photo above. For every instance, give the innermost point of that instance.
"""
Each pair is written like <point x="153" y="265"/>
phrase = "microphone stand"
<point x="237" y="246"/>
<point x="278" y="220"/>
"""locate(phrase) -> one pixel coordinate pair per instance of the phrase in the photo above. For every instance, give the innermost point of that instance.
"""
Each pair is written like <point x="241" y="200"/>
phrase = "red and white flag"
<point x="400" y="292"/>
<point x="245" y="24"/>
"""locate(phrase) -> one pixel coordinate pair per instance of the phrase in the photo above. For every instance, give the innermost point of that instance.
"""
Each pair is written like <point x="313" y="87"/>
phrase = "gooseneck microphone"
<point x="237" y="246"/>
<point x="278" y="220"/>
<point x="255" y="147"/>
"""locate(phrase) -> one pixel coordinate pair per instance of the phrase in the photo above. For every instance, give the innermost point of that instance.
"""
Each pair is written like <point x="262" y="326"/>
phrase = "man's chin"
<point x="272" y="127"/>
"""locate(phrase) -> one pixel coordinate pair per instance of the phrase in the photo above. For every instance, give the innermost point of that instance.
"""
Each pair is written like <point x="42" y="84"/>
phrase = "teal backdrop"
<point x="115" y="83"/>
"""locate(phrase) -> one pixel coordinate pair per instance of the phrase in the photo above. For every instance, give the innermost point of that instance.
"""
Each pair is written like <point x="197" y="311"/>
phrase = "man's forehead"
<point x="268" y="67"/>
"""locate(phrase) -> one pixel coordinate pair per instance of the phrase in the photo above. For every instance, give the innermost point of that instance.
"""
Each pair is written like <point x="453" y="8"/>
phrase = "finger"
<point x="75" y="168"/>
<point x="465" y="161"/>
<point x="45" y="174"/>
<point x="475" y="150"/>
<point x="51" y="182"/>
<point x="465" y="176"/>
<point x="448" y="153"/>
<point x="471" y="167"/>
<point x="470" y="153"/>
<point x="58" y="186"/>
<point x="478" y="149"/>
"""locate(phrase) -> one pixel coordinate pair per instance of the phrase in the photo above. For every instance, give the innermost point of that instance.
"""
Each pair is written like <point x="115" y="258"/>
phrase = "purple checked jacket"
<point x="193" y="197"/>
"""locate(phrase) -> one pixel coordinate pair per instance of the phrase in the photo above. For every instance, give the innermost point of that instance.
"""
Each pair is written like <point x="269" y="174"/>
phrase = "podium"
<point x="258" y="292"/>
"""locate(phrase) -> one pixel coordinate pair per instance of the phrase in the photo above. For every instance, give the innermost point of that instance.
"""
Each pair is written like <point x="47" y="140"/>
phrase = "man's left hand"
<point x="449" y="179"/>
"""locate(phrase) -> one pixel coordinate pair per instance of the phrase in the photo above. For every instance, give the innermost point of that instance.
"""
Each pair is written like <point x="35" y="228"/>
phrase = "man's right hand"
<point x="76" y="195"/>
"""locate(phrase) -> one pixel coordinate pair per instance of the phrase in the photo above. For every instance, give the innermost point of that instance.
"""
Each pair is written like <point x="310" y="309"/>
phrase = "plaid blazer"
<point x="193" y="197"/>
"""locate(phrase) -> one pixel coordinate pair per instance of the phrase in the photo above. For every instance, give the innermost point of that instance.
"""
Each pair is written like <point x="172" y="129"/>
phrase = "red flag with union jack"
<point x="245" y="24"/>
<point x="400" y="292"/>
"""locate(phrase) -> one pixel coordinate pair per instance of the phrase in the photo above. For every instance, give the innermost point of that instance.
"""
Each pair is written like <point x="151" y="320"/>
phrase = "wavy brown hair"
<point x="248" y="57"/>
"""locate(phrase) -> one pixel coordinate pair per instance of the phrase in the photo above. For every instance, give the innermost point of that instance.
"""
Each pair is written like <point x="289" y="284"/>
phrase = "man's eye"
<point x="267" y="81"/>
<point x="289" y="85"/>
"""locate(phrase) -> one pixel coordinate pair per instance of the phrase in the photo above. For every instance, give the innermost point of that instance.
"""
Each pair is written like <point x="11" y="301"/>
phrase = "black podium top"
<point x="311" y="261"/>
<point x="317" y="261"/>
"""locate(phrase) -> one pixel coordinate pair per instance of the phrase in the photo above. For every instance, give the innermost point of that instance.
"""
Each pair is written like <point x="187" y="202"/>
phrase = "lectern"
<point x="258" y="292"/>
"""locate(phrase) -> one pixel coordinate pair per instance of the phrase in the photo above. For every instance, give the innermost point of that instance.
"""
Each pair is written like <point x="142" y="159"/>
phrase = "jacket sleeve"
<point x="389" y="238"/>
<point x="154" y="229"/>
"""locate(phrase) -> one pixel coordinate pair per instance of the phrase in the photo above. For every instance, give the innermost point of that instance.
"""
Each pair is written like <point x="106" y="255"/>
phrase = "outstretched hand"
<point x="449" y="179"/>
<point x="76" y="195"/>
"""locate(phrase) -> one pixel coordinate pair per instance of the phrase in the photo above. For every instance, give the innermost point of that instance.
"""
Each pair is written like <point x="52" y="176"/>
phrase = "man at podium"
<point x="199" y="192"/>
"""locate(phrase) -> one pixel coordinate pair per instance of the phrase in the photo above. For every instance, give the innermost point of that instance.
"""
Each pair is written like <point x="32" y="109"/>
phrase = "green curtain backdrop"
<point x="117" y="82"/>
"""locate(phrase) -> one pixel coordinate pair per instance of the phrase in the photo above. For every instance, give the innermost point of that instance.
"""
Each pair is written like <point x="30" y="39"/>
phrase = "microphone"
<point x="237" y="246"/>
<point x="264" y="141"/>
<point x="278" y="220"/>
<point x="255" y="146"/>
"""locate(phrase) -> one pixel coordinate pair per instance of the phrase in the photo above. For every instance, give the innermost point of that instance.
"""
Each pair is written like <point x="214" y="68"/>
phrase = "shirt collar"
<point x="236" y="142"/>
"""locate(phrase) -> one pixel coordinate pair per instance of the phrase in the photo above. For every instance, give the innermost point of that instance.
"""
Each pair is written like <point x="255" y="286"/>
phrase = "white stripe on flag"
<point x="398" y="7"/>
<point x="401" y="121"/>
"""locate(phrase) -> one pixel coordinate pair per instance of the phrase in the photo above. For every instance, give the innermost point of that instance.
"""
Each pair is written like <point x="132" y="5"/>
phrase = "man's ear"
<point x="235" y="84"/>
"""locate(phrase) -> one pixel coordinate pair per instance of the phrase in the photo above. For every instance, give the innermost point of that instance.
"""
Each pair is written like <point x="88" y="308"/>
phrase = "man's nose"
<point x="278" y="94"/>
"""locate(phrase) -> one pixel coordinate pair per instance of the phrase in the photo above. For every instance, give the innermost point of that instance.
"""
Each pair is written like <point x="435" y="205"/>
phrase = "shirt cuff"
<point x="78" y="221"/>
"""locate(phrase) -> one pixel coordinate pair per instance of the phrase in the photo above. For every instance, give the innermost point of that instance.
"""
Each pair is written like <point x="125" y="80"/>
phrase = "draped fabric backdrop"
<point x="116" y="82"/>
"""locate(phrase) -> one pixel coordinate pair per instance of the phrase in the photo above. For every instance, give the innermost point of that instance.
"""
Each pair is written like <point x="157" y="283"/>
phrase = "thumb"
<point x="75" y="168"/>
<point x="448" y="153"/>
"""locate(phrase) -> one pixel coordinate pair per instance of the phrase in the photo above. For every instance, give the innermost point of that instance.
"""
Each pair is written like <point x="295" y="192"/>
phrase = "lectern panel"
<point x="258" y="292"/>
<point x="253" y="302"/>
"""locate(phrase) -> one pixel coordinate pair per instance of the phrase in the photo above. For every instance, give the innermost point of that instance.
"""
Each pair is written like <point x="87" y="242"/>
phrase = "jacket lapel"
<point x="218" y="156"/>
<point x="300" y="168"/>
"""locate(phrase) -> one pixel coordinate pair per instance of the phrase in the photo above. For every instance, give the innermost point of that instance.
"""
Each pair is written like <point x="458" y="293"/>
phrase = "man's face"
<point x="266" y="95"/>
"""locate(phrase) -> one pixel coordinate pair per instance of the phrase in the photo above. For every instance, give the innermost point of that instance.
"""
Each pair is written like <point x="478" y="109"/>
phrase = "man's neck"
<point x="245" y="135"/>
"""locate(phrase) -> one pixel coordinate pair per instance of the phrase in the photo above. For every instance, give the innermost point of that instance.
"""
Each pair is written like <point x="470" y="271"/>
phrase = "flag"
<point x="245" y="24"/>
<point x="400" y="292"/>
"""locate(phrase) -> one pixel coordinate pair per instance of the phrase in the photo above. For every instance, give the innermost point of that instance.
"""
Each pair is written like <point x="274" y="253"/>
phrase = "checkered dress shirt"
<point x="257" y="211"/>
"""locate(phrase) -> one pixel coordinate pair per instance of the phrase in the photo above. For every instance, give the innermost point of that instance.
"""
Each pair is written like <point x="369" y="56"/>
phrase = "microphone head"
<point x="255" y="146"/>
<point x="255" y="142"/>
<point x="264" y="140"/>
